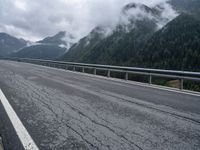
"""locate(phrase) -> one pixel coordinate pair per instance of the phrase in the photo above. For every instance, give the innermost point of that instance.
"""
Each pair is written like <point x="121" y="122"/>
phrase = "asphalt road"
<point x="64" y="110"/>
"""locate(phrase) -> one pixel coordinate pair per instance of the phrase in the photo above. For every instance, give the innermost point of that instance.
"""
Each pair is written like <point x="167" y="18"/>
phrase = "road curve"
<point x="65" y="110"/>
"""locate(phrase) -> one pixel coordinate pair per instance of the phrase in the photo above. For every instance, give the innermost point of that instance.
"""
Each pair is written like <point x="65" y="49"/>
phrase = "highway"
<point x="64" y="110"/>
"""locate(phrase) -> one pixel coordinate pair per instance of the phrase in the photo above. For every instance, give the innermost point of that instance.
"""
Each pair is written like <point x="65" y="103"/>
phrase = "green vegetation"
<point x="187" y="6"/>
<point x="176" y="46"/>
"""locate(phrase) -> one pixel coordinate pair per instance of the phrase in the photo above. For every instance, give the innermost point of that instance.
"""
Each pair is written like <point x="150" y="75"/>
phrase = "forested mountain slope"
<point x="121" y="44"/>
<point x="176" y="46"/>
<point x="187" y="6"/>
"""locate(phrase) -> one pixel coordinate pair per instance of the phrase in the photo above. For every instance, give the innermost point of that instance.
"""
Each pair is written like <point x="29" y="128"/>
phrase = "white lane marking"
<point x="135" y="83"/>
<point x="21" y="131"/>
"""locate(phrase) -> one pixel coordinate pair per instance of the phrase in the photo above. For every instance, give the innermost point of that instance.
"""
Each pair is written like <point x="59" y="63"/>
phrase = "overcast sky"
<point x="36" y="19"/>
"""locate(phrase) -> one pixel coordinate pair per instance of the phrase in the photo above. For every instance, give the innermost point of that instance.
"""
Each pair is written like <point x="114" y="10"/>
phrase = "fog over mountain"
<point x="152" y="36"/>
<point x="35" y="20"/>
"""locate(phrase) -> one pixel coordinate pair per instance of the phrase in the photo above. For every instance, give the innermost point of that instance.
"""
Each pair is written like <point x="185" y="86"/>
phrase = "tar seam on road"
<point x="21" y="131"/>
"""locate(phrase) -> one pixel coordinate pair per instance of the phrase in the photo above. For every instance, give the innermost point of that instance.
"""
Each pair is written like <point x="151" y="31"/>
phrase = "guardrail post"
<point x="95" y="71"/>
<point x="74" y="69"/>
<point x="83" y="69"/>
<point x="108" y="74"/>
<point x="126" y="76"/>
<point x="66" y="67"/>
<point x="181" y="84"/>
<point x="150" y="79"/>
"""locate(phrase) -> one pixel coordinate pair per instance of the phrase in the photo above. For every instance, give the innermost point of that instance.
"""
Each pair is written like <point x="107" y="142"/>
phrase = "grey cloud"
<point x="37" y="19"/>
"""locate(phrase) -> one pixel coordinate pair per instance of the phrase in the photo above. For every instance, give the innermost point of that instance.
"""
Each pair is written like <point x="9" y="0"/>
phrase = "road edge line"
<point x="21" y="131"/>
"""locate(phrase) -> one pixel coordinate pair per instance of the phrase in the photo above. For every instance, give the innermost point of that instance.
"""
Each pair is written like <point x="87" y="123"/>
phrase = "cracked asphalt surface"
<point x="65" y="110"/>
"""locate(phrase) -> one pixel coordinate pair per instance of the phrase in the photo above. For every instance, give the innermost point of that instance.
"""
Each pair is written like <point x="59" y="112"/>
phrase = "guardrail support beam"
<point x="150" y="79"/>
<point x="181" y="84"/>
<point x="126" y="76"/>
<point x="83" y="69"/>
<point x="108" y="73"/>
<point x="95" y="71"/>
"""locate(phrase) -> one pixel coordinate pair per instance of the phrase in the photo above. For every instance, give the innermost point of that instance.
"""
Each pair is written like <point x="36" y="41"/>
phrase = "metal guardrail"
<point x="180" y="75"/>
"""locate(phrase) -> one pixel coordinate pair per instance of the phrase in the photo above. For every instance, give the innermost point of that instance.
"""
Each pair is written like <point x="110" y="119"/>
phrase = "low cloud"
<point x="37" y="19"/>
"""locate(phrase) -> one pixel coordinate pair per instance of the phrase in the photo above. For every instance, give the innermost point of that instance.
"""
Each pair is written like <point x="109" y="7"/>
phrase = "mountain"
<point x="49" y="48"/>
<point x="144" y="8"/>
<point x="121" y="44"/>
<point x="10" y="44"/>
<point x="176" y="46"/>
<point x="141" y="44"/>
<point x="85" y="45"/>
<point x="62" y="39"/>
<point x="49" y="52"/>
<point x="187" y="6"/>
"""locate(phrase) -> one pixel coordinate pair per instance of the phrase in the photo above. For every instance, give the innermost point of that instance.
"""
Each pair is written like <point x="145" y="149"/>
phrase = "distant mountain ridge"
<point x="49" y="52"/>
<point x="62" y="39"/>
<point x="49" y="48"/>
<point x="10" y="44"/>
<point x="143" y="7"/>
